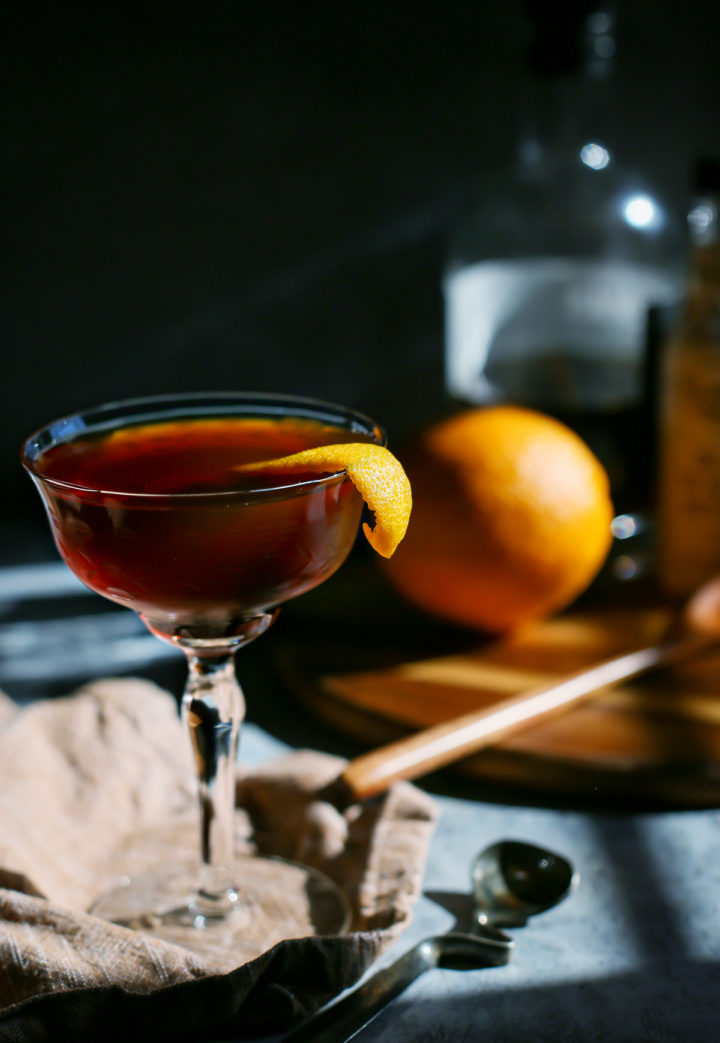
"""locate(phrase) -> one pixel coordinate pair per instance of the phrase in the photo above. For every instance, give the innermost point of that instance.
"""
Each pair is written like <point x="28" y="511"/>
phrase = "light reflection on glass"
<point x="599" y="23"/>
<point x="625" y="567"/>
<point x="641" y="211"/>
<point x="604" y="47"/>
<point x="624" y="526"/>
<point x="701" y="217"/>
<point x="594" y="156"/>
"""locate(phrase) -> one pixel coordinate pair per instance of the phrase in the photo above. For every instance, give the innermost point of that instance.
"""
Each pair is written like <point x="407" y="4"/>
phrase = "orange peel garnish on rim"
<point x="376" y="474"/>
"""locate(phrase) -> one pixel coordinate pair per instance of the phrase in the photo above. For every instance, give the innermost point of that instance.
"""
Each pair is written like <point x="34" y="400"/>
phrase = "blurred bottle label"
<point x="690" y="480"/>
<point x="689" y="504"/>
<point x="562" y="334"/>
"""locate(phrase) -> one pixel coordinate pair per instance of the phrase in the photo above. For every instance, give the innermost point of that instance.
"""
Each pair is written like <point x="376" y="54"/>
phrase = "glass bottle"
<point x="689" y="485"/>
<point x="553" y="276"/>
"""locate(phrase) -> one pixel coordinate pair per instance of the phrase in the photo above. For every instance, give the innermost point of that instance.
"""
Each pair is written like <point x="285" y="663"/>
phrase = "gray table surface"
<point x="632" y="954"/>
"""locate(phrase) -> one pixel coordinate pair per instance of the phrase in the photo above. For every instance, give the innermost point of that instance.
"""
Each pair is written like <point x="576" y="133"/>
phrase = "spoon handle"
<point x="343" y="1020"/>
<point x="432" y="748"/>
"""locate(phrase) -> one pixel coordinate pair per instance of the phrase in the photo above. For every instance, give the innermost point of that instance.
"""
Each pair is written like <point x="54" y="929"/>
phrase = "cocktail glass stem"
<point x="213" y="708"/>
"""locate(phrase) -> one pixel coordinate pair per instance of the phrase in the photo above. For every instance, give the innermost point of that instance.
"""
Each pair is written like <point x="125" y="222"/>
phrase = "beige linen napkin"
<point x="100" y="784"/>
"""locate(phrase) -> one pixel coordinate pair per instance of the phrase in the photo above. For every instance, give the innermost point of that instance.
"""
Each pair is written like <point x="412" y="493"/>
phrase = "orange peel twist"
<point x="376" y="474"/>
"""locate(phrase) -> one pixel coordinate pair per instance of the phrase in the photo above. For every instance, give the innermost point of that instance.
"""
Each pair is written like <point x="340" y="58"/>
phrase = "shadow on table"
<point x="642" y="889"/>
<point x="636" y="1007"/>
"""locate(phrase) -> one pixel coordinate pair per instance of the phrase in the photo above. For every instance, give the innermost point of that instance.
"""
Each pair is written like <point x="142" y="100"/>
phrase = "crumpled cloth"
<point x="101" y="784"/>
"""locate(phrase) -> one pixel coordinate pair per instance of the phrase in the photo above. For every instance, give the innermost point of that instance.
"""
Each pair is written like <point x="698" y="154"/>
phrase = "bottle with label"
<point x="689" y="486"/>
<point x="552" y="276"/>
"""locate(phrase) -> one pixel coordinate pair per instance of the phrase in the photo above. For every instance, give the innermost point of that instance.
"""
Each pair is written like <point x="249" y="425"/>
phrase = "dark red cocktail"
<point x="156" y="516"/>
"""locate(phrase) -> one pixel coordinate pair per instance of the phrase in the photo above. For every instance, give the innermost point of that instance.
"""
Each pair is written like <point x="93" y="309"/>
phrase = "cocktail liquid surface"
<point x="186" y="456"/>
<point x="156" y="517"/>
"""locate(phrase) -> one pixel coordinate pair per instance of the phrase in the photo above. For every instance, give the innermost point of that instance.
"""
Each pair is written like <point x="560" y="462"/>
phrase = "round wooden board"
<point x="657" y="739"/>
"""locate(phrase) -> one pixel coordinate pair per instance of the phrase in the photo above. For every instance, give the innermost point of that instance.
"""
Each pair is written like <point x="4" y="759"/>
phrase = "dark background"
<point x="257" y="196"/>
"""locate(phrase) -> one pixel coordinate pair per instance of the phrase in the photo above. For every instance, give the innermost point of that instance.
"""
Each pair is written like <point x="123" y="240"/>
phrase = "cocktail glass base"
<point x="273" y="900"/>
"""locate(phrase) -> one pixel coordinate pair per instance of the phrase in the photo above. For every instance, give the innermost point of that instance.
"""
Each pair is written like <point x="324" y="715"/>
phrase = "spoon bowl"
<point x="513" y="881"/>
<point x="701" y="614"/>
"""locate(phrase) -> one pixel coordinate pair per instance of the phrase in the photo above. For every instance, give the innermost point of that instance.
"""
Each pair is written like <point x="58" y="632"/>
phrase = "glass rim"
<point x="123" y="412"/>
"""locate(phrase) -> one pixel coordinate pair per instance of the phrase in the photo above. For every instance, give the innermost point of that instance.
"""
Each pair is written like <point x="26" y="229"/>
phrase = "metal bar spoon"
<point x="695" y="631"/>
<point x="511" y="881"/>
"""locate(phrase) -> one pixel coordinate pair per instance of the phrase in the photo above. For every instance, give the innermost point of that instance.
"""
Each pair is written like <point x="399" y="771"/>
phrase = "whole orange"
<point x="511" y="518"/>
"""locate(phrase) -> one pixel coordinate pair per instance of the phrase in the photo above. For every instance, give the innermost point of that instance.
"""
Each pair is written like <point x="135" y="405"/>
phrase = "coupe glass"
<point x="206" y="567"/>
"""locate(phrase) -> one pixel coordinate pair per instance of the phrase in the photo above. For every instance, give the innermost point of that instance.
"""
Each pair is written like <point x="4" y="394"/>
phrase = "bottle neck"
<point x="565" y="117"/>
<point x="569" y="90"/>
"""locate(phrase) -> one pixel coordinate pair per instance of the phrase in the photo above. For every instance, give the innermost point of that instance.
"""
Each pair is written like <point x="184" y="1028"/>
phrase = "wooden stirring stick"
<point x="433" y="748"/>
